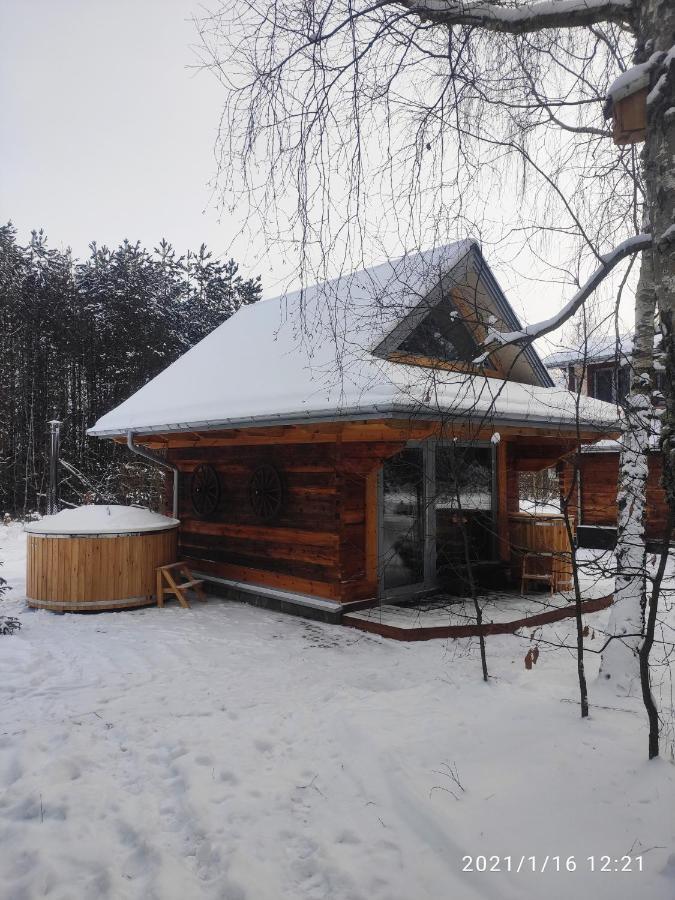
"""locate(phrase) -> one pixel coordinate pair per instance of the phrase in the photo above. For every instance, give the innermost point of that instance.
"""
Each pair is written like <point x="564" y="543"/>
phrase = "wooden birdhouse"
<point x="627" y="106"/>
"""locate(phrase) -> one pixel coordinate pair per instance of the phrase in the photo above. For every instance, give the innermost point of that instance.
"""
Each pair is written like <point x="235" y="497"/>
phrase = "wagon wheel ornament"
<point x="266" y="493"/>
<point x="205" y="490"/>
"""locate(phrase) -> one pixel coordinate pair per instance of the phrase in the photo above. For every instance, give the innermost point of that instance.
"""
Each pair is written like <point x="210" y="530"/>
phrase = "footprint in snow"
<point x="263" y="747"/>
<point x="204" y="760"/>
<point x="347" y="837"/>
<point x="228" y="777"/>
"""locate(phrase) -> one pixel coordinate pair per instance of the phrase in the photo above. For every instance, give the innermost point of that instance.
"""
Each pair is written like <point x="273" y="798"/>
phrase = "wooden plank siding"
<point x="599" y="474"/>
<point x="318" y="544"/>
<point x="90" y="572"/>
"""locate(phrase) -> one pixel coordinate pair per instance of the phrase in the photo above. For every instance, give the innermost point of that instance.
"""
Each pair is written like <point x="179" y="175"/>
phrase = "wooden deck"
<point x="450" y="617"/>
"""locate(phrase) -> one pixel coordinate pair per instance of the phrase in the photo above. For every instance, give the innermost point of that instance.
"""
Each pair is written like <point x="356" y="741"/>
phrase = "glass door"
<point x="437" y="508"/>
<point x="463" y="503"/>
<point x="402" y="538"/>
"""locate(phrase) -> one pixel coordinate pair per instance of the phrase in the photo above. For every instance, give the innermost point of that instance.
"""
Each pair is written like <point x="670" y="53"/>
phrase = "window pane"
<point x="403" y="525"/>
<point x="603" y="384"/>
<point x="464" y="514"/>
<point x="624" y="382"/>
<point x="441" y="335"/>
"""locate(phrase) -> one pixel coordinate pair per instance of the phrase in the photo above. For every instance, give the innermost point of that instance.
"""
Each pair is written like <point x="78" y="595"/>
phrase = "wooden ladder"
<point x="167" y="584"/>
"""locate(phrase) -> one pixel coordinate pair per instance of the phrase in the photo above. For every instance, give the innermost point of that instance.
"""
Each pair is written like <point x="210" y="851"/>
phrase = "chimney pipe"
<point x="53" y="450"/>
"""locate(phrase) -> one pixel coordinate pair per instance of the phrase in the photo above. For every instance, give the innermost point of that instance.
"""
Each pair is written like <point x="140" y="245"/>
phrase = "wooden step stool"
<point x="178" y="588"/>
<point x="539" y="566"/>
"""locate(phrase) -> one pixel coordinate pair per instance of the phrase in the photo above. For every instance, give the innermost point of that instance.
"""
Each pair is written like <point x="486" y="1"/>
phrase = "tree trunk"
<point x="620" y="661"/>
<point x="656" y="290"/>
<point x="657" y="33"/>
<point x="578" y="615"/>
<point x="648" y="643"/>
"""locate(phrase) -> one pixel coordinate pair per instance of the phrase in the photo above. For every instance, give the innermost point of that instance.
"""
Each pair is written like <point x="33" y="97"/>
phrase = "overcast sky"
<point x="108" y="132"/>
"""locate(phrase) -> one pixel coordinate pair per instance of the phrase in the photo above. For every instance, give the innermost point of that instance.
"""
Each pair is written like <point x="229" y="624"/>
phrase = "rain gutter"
<point x="364" y="414"/>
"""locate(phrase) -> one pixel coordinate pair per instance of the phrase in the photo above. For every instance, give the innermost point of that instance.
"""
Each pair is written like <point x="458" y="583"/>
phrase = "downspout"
<point x="157" y="459"/>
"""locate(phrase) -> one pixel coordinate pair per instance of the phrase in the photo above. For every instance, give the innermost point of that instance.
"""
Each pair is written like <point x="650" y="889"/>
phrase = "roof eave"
<point x="377" y="411"/>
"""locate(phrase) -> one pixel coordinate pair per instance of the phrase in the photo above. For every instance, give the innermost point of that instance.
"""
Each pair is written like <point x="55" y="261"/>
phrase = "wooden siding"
<point x="599" y="473"/>
<point x="318" y="544"/>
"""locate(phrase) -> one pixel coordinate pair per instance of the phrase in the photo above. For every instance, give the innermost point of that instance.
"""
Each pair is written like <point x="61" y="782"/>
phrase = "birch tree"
<point x="379" y="117"/>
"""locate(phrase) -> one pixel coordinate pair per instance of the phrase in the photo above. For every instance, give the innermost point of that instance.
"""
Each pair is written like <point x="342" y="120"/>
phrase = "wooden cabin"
<point x="351" y="442"/>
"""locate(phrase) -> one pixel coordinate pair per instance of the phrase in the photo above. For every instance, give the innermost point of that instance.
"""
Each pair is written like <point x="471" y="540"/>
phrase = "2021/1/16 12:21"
<point x="549" y="863"/>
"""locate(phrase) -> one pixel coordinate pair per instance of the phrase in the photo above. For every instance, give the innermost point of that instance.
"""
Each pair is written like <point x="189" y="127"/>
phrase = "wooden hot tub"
<point x="97" y="558"/>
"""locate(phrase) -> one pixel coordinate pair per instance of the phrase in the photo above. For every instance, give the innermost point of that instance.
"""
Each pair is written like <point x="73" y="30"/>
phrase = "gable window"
<point x="441" y="335"/>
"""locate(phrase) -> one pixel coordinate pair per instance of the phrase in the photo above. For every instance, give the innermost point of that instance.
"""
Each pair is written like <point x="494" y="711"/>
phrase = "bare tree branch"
<point x="528" y="18"/>
<point x="539" y="329"/>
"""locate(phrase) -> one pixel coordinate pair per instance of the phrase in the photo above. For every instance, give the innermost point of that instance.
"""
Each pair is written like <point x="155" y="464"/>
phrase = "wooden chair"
<point x="167" y="584"/>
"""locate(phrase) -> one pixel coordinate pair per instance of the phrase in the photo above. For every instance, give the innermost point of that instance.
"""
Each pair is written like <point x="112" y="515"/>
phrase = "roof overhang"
<point x="367" y="414"/>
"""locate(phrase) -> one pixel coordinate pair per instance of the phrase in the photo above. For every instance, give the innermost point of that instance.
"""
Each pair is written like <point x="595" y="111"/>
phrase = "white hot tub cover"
<point x="102" y="519"/>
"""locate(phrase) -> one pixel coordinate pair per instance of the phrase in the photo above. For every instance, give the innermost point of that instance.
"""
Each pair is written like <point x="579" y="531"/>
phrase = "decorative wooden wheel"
<point x="266" y="493"/>
<point x="205" y="490"/>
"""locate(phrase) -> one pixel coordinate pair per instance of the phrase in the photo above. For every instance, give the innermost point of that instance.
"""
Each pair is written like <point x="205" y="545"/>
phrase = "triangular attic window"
<point x="440" y="335"/>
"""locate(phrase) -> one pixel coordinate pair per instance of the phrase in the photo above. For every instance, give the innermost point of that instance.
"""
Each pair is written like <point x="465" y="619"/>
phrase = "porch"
<point x="445" y="616"/>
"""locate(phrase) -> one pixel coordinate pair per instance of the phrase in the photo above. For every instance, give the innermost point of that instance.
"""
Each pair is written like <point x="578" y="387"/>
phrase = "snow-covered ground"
<point x="229" y="752"/>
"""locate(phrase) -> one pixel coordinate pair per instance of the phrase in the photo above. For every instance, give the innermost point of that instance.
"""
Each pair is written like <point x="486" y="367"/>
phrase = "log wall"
<point x="321" y="543"/>
<point x="599" y="474"/>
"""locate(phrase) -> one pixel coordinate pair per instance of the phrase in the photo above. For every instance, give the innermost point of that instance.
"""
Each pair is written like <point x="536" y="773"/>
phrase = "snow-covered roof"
<point x="311" y="356"/>
<point x="101" y="519"/>
<point x="596" y="348"/>
<point x="600" y="348"/>
<point x="614" y="445"/>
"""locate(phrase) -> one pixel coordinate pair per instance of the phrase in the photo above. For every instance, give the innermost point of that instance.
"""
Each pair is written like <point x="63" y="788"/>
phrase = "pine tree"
<point x="77" y="338"/>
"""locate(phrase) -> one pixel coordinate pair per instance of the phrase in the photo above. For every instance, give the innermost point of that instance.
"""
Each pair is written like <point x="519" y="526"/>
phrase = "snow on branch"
<point x="524" y="18"/>
<point x="530" y="333"/>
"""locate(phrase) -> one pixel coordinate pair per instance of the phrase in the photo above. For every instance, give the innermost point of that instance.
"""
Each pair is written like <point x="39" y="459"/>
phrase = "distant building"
<point x="602" y="369"/>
